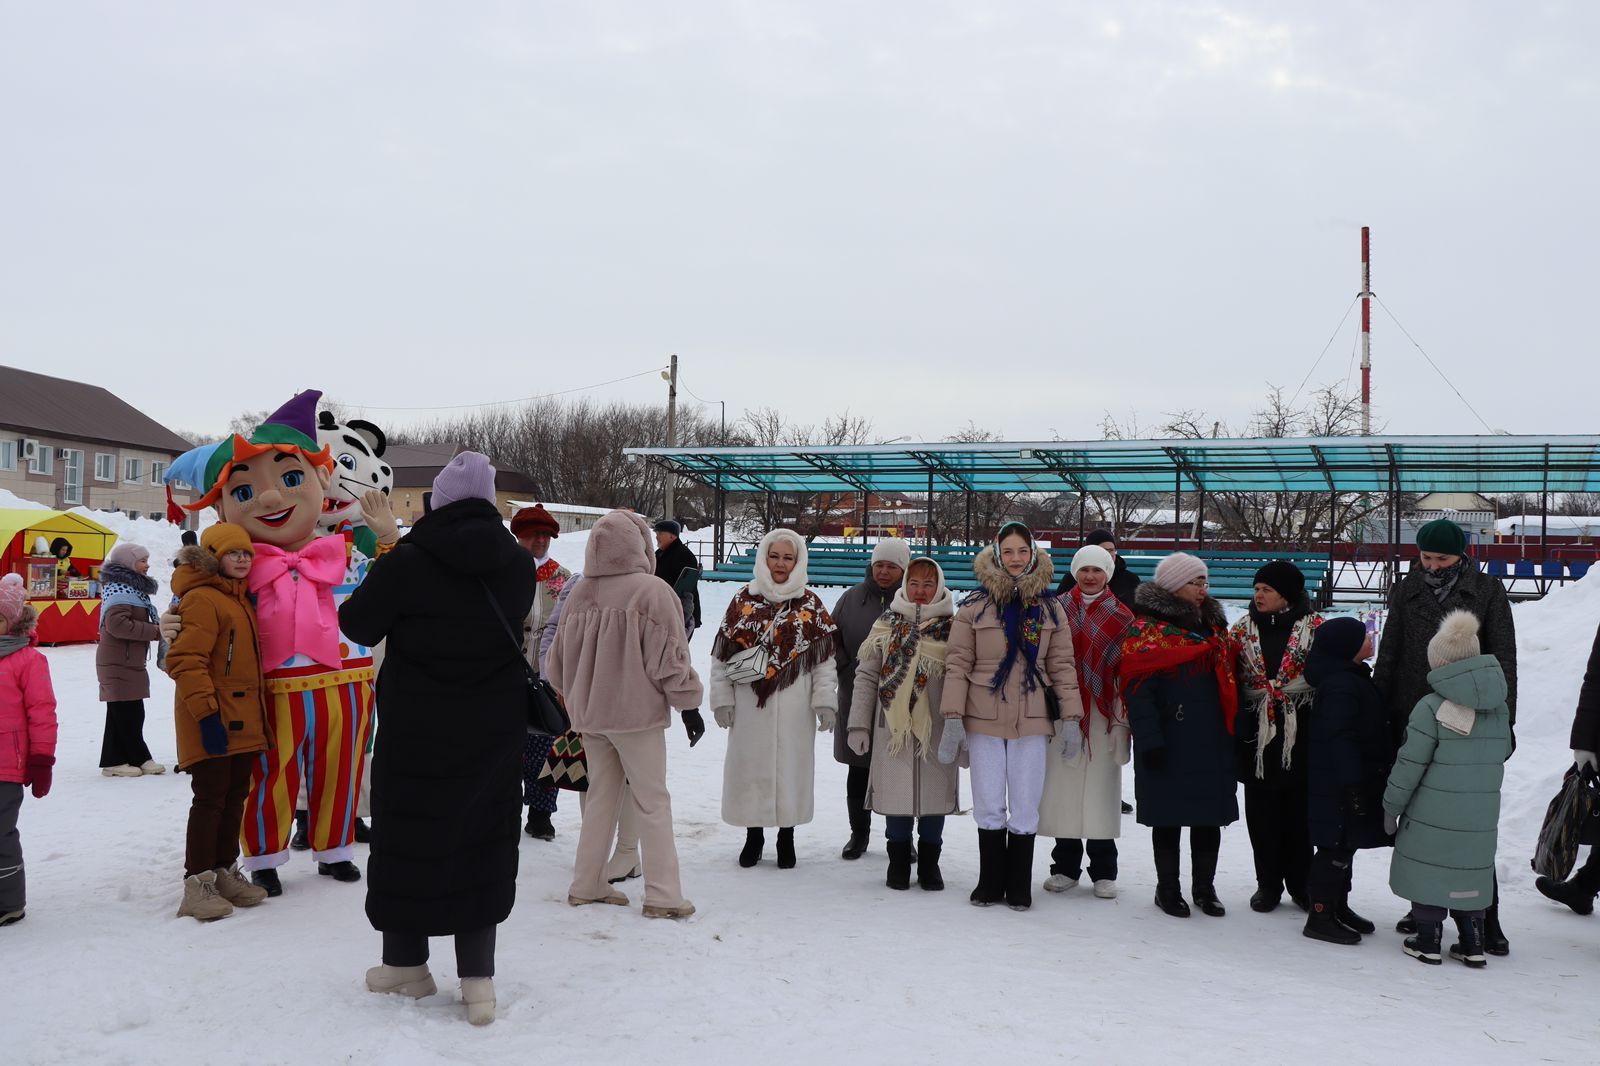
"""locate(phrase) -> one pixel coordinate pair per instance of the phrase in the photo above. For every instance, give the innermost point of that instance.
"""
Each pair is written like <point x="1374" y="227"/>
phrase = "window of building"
<point x="158" y="472"/>
<point x="133" y="514"/>
<point x="133" y="470"/>
<point x="8" y="455"/>
<point x="43" y="461"/>
<point x="105" y="466"/>
<point x="72" y="476"/>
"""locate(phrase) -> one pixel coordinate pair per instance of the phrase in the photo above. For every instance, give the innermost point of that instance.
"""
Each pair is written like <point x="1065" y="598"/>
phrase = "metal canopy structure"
<point x="1391" y="464"/>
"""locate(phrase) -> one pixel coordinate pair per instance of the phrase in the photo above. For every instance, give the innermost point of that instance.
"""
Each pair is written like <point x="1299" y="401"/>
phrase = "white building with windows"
<point x="70" y="444"/>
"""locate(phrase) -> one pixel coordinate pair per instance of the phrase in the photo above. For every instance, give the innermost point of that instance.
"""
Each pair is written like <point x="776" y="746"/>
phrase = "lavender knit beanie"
<point x="470" y="476"/>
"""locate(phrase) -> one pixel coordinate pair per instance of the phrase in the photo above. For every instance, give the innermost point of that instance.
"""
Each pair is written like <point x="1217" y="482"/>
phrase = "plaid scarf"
<point x="913" y="650"/>
<point x="1156" y="645"/>
<point x="1098" y="629"/>
<point x="799" y="634"/>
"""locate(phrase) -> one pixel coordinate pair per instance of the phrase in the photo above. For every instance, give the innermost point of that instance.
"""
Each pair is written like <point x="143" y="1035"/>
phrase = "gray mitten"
<point x="825" y="720"/>
<point x="1071" y="740"/>
<point x="1391" y="823"/>
<point x="954" y="739"/>
<point x="724" y="716"/>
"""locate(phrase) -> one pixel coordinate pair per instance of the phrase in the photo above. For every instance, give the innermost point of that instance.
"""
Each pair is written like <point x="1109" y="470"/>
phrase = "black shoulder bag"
<point x="1052" y="702"/>
<point x="546" y="716"/>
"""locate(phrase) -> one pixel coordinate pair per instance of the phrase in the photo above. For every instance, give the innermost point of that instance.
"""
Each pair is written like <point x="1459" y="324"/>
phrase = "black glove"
<point x="213" y="735"/>
<point x="1353" y="802"/>
<point x="1154" y="758"/>
<point x="694" y="725"/>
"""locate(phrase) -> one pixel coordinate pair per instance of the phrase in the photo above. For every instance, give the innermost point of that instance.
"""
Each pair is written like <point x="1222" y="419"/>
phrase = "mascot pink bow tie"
<point x="298" y="616"/>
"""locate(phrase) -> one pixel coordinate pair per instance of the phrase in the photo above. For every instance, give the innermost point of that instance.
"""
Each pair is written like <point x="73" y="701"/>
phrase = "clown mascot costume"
<point x="319" y="686"/>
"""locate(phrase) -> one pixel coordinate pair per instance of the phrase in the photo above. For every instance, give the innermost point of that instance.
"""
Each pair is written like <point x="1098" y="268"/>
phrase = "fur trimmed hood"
<point x="1153" y="600"/>
<point x="619" y="543"/>
<point x="1001" y="586"/>
<point x="198" y="568"/>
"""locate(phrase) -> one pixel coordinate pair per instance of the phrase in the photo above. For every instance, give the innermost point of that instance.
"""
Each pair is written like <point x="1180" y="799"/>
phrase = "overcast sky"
<point x="1021" y="215"/>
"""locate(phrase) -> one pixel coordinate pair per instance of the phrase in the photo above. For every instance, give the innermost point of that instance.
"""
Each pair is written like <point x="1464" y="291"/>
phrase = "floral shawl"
<point x="1157" y="644"/>
<point x="1288" y="692"/>
<point x="799" y="635"/>
<point x="913" y="652"/>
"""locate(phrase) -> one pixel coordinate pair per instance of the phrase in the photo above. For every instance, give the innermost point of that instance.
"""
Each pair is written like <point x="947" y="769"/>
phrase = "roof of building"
<point x="38" y="403"/>
<point x="416" y="465"/>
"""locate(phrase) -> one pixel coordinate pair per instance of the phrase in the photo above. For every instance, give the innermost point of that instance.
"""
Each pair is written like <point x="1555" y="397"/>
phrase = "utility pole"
<point x="672" y="430"/>
<point x="1366" y="331"/>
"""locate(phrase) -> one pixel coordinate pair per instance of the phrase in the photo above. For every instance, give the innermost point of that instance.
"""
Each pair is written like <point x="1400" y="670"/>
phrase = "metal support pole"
<point x="1544" y="515"/>
<point x="927" y="537"/>
<point x="866" y="499"/>
<point x="672" y="434"/>
<point x="719" y="533"/>
<point x="969" y="516"/>
<point x="1177" y="509"/>
<point x="1366" y="331"/>
<point x="1200" y="520"/>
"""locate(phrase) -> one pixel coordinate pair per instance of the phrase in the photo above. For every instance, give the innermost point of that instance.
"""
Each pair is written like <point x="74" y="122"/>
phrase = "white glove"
<point x="379" y="515"/>
<point x="825" y="721"/>
<point x="860" y="741"/>
<point x="1585" y="758"/>
<point x="724" y="716"/>
<point x="954" y="739"/>
<point x="171" y="626"/>
<point x="1071" y="739"/>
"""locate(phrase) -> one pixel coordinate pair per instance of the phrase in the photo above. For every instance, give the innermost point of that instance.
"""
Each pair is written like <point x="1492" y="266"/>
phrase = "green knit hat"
<point x="1443" y="537"/>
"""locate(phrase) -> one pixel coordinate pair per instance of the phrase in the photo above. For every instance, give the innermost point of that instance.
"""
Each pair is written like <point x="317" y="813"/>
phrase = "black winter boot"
<point x="991" y="868"/>
<point x="754" y="841"/>
<point x="1494" y="938"/>
<point x="860" y="817"/>
<point x="1169" y="892"/>
<point x="1424" y="944"/>
<point x="1468" y="947"/>
<point x="301" y="841"/>
<point x="267" y="879"/>
<point x="1203" y="864"/>
<point x="345" y="871"/>
<point x="786" y="848"/>
<point x="1575" y="895"/>
<point x="856" y="846"/>
<point x="1019" y="870"/>
<point x="363" y="832"/>
<point x="899" y="877"/>
<point x="1351" y="920"/>
<point x="1406" y="925"/>
<point x="928" y="876"/>
<point x="1265" y="900"/>
<point x="1322" y="923"/>
<point x="539" y="827"/>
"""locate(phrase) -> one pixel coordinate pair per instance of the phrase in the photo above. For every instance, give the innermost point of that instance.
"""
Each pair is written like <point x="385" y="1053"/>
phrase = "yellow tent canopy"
<point x="19" y="528"/>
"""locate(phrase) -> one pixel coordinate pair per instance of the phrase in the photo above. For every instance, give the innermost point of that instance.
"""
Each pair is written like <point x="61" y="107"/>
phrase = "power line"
<point x="1324" y="351"/>
<point x="1443" y="377"/>
<point x="525" y="399"/>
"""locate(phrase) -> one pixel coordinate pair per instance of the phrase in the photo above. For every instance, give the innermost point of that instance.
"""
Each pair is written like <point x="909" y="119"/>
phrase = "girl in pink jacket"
<point x="27" y="734"/>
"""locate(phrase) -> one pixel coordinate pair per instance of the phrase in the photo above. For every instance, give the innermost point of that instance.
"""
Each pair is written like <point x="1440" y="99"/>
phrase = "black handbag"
<point x="546" y="715"/>
<point x="1052" y="702"/>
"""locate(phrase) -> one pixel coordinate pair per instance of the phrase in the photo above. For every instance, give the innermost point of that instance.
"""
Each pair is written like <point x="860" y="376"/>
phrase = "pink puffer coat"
<point x="27" y="712"/>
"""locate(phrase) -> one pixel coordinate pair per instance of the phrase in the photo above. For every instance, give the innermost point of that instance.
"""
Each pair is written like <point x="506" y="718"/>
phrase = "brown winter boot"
<point x="232" y="887"/>
<point x="201" y="900"/>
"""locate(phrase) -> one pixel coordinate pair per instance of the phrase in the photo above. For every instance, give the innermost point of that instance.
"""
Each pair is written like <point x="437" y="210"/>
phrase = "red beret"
<point x="533" y="520"/>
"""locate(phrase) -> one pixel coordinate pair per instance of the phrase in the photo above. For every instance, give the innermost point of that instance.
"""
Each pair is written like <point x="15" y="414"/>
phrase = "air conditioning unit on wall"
<point x="29" y="448"/>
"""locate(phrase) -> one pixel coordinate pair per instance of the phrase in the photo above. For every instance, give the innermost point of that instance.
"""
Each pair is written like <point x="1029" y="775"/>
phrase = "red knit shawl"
<point x="1157" y="646"/>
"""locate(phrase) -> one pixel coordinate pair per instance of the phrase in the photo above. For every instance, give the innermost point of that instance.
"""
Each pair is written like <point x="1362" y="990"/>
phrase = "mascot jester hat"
<point x="319" y="686"/>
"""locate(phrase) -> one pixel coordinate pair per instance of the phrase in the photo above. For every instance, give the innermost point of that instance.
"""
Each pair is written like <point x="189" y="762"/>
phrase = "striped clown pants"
<point x="318" y="736"/>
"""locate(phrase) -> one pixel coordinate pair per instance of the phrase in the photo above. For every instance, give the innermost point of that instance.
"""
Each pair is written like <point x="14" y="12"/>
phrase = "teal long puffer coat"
<point x="1445" y="788"/>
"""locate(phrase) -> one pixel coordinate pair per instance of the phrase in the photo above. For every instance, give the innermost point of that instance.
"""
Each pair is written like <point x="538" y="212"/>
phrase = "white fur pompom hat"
<point x="1456" y="640"/>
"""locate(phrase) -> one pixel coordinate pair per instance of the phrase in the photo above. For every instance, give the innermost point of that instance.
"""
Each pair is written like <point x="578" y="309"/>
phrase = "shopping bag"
<point x="1569" y="821"/>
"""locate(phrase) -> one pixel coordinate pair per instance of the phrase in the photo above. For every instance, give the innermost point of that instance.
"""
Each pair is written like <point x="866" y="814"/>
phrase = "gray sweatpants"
<point x="13" y="889"/>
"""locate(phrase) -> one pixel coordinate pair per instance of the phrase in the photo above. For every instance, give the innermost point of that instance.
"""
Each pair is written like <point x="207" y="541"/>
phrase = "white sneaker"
<point x="413" y="981"/>
<point x="1060" y="883"/>
<point x="152" y="768"/>
<point x="1105" y="890"/>
<point x="478" y="994"/>
<point x="125" y="770"/>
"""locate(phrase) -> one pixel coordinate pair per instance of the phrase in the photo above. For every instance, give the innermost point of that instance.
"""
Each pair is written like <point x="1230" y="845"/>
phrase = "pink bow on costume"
<point x="298" y="617"/>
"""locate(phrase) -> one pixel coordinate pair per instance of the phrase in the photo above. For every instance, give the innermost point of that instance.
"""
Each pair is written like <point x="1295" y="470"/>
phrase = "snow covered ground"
<point x="777" y="966"/>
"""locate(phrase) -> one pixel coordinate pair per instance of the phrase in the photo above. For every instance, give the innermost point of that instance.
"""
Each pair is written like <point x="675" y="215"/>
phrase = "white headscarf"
<point x="762" y="585"/>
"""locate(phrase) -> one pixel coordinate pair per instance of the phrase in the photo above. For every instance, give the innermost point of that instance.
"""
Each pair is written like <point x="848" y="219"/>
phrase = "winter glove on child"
<point x="213" y="736"/>
<point x="694" y="725"/>
<point x="379" y="516"/>
<point x="171" y="625"/>
<point x="954" y="739"/>
<point x="1391" y="823"/>
<point x="825" y="721"/>
<point x="860" y="741"/>
<point x="723" y="716"/>
<point x="1071" y="740"/>
<point x="39" y="774"/>
<point x="1585" y="758"/>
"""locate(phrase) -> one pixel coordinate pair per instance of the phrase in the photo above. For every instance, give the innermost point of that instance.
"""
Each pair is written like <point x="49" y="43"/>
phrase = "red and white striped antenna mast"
<point x="1366" y="331"/>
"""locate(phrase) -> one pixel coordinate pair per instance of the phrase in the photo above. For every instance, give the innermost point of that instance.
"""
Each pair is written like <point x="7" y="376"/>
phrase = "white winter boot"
<point x="125" y="770"/>
<point x="1105" y="889"/>
<point x="478" y="994"/>
<point x="413" y="981"/>
<point x="1060" y="883"/>
<point x="151" y="767"/>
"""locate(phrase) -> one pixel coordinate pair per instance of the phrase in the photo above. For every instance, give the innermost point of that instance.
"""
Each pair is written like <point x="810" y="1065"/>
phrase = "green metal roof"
<point x="1274" y="464"/>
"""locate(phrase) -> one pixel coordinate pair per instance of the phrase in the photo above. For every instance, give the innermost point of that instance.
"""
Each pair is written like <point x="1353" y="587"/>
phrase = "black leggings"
<point x="123" y="744"/>
<point x="474" y="951"/>
<point x="855" y="790"/>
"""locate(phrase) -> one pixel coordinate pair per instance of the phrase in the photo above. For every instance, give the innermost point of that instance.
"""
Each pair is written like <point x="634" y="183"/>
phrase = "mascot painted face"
<point x="272" y="484"/>
<point x="357" y="448"/>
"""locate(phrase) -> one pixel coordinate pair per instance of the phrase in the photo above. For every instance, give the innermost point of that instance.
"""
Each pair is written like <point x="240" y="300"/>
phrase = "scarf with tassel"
<point x="1156" y="645"/>
<point x="799" y="634"/>
<point x="913" y="652"/>
<point x="1275" y="698"/>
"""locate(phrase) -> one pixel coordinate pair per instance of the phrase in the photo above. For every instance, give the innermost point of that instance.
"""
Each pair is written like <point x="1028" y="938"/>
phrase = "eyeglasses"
<point x="1200" y="583"/>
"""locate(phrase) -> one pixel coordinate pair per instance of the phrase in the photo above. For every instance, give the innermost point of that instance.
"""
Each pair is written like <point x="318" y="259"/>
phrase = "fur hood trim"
<point x="1001" y="586"/>
<point x="1153" y="600"/>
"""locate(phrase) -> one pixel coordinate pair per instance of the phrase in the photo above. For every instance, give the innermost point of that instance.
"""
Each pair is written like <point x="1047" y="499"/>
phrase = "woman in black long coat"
<point x="446" y="764"/>
<point x="1348" y="759"/>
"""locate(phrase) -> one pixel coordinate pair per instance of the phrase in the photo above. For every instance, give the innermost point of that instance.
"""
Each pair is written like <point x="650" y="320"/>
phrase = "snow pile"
<point x="10" y="501"/>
